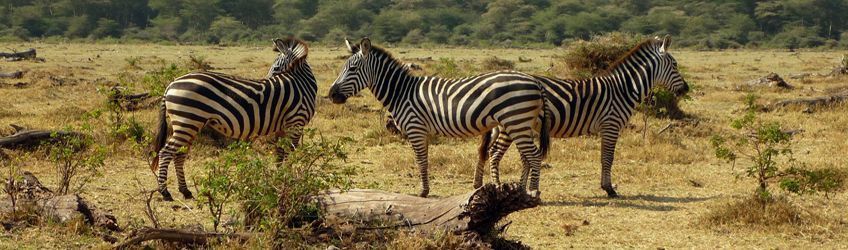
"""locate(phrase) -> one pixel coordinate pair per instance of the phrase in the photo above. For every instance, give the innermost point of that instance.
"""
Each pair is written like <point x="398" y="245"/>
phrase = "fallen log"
<point x="474" y="212"/>
<point x="29" y="138"/>
<point x="175" y="235"/>
<point x="13" y="75"/>
<point x="811" y="103"/>
<point x="26" y="54"/>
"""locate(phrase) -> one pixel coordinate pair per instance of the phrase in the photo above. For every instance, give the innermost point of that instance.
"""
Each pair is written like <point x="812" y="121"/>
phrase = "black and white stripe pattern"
<point x="423" y="106"/>
<point x="602" y="105"/>
<point x="280" y="105"/>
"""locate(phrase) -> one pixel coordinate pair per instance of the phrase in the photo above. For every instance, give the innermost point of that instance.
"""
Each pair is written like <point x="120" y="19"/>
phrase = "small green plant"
<point x="133" y="62"/>
<point x="768" y="148"/>
<point x="198" y="63"/>
<point x="77" y="158"/>
<point x="217" y="187"/>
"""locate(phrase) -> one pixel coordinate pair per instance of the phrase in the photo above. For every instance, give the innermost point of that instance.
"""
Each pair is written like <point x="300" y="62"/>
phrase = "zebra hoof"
<point x="424" y="193"/>
<point x="534" y="194"/>
<point x="611" y="192"/>
<point x="186" y="194"/>
<point x="166" y="196"/>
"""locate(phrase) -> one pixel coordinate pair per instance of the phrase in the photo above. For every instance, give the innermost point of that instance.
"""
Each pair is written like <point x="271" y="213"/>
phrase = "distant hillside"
<point x="704" y="24"/>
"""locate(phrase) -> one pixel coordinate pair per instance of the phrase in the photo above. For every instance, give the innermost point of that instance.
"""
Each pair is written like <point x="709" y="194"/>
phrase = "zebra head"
<point x="668" y="74"/>
<point x="290" y="50"/>
<point x="352" y="78"/>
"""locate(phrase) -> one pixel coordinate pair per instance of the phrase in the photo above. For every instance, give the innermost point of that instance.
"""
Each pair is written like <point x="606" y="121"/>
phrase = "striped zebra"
<point x="280" y="105"/>
<point x="464" y="107"/>
<point x="600" y="105"/>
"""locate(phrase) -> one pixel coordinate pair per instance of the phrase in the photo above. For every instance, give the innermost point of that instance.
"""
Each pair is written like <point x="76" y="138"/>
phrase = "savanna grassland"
<point x="669" y="182"/>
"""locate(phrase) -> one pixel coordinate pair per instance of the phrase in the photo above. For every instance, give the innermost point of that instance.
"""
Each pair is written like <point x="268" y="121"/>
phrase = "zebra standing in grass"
<point x="280" y="105"/>
<point x="463" y="107"/>
<point x="601" y="105"/>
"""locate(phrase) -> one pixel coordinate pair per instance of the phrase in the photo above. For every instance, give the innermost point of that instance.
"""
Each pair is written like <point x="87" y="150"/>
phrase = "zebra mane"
<point x="300" y="49"/>
<point x="648" y="42"/>
<point x="388" y="55"/>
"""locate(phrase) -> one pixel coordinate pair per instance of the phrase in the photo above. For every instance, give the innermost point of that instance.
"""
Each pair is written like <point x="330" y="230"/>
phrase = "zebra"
<point x="463" y="107"/>
<point x="280" y="105"/>
<point x="600" y="105"/>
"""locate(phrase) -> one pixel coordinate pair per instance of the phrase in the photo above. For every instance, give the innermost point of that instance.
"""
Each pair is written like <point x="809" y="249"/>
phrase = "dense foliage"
<point x="705" y="24"/>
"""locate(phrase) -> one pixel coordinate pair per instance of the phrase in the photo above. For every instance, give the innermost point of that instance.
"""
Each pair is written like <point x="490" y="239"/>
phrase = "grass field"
<point x="659" y="208"/>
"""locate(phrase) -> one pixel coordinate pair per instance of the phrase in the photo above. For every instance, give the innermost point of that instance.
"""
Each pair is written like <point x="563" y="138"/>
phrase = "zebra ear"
<point x="350" y="48"/>
<point x="365" y="46"/>
<point x="276" y="42"/>
<point x="666" y="42"/>
<point x="280" y="46"/>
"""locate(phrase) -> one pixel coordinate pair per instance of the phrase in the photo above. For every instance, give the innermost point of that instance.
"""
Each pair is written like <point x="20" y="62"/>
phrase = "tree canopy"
<point x="706" y="24"/>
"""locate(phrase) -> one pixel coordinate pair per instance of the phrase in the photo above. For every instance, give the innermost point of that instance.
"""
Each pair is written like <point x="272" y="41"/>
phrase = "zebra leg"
<point x="294" y="141"/>
<point x="419" y="145"/>
<point x="179" y="160"/>
<point x="498" y="151"/>
<point x="166" y="155"/>
<point x="483" y="156"/>
<point x="609" y="137"/>
<point x="529" y="151"/>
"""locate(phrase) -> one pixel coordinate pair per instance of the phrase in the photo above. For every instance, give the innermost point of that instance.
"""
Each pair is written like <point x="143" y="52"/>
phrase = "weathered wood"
<point x="770" y="80"/>
<point x="26" y="54"/>
<point x="476" y="211"/>
<point x="13" y="75"/>
<point x="28" y="138"/>
<point x="40" y="200"/>
<point x="811" y="103"/>
<point x="175" y="235"/>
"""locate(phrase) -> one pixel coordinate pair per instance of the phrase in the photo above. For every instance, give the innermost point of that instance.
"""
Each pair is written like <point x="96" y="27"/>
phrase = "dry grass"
<point x="660" y="207"/>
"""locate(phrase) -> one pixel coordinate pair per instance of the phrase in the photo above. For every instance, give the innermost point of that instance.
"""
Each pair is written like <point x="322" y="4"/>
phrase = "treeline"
<point x="703" y="24"/>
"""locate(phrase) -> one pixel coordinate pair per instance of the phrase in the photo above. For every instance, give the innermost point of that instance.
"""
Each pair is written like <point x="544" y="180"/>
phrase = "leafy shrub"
<point x="77" y="158"/>
<point x="584" y="59"/>
<point x="157" y="80"/>
<point x="663" y="104"/>
<point x="768" y="148"/>
<point x="448" y="68"/>
<point x="275" y="196"/>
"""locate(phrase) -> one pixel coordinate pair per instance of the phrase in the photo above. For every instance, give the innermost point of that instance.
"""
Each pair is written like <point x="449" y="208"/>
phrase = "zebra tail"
<point x="545" y="134"/>
<point x="161" y="136"/>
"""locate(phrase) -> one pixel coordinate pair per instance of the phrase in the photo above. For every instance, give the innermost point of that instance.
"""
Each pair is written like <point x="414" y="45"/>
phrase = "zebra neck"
<point x="393" y="84"/>
<point x="635" y="76"/>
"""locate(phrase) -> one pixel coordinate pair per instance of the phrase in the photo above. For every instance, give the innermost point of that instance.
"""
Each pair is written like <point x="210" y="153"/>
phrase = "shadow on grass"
<point x="641" y="202"/>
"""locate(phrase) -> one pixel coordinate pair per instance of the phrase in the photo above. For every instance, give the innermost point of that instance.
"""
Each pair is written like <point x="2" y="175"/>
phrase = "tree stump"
<point x="476" y="212"/>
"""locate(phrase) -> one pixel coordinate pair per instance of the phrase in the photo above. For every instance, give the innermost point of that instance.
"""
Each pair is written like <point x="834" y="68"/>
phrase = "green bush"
<point x="275" y="196"/>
